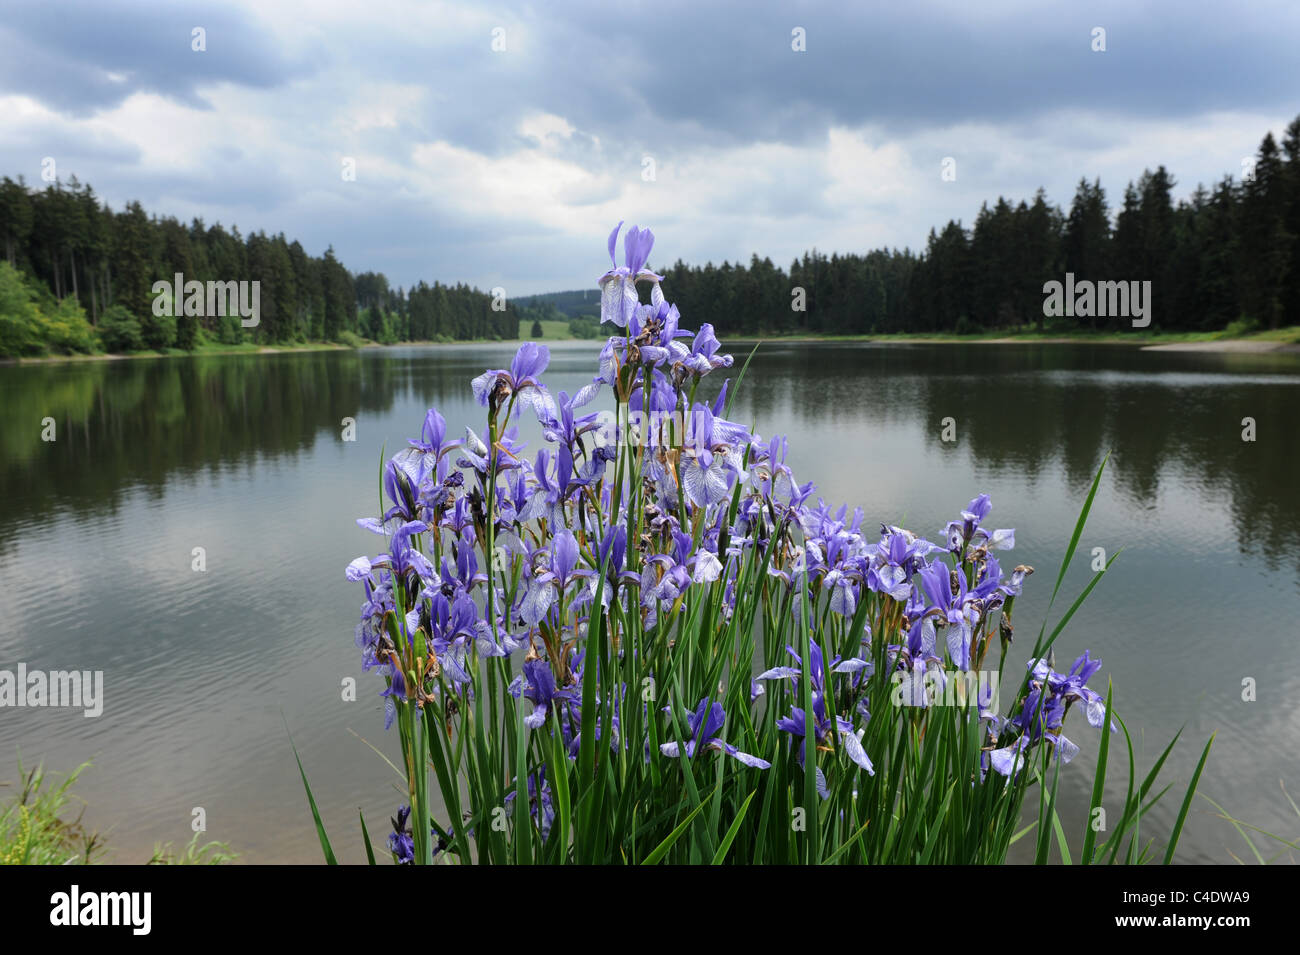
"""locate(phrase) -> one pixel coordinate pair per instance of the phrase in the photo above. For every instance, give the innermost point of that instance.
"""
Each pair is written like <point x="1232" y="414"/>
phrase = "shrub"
<point x="583" y="327"/>
<point x="158" y="331"/>
<point x="20" y="318"/>
<point x="66" y="330"/>
<point x="229" y="330"/>
<point x="33" y="830"/>
<point x="187" y="332"/>
<point x="1241" y="327"/>
<point x="119" y="332"/>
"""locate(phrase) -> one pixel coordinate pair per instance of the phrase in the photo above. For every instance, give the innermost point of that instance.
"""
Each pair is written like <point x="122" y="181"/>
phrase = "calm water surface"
<point x="244" y="457"/>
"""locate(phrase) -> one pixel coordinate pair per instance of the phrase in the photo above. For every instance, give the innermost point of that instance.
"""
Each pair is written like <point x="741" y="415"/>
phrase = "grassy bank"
<point x="1280" y="337"/>
<point x="207" y="348"/>
<point x="1287" y="338"/>
<point x="37" y="827"/>
<point x="244" y="348"/>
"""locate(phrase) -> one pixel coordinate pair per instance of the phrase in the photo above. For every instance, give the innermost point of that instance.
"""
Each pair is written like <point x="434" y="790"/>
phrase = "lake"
<point x="244" y="456"/>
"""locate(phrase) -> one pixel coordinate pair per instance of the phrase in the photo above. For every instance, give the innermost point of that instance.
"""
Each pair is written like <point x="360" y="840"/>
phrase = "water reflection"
<point x="245" y="455"/>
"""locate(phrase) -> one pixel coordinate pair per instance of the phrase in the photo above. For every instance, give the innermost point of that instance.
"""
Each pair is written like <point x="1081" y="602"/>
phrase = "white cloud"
<point x="455" y="144"/>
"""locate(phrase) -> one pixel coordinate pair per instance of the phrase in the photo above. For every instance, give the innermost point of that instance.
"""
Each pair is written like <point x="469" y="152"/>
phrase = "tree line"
<point x="80" y="277"/>
<point x="1227" y="255"/>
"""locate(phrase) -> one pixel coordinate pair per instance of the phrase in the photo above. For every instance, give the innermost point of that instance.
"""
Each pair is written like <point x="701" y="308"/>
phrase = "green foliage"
<point x="32" y="323"/>
<point x="351" y="340"/>
<point x="66" y="330"/>
<point x="187" y="332"/>
<point x="586" y="327"/>
<point x="210" y="853"/>
<point x="20" y="319"/>
<point x="229" y="330"/>
<point x="536" y="330"/>
<point x="73" y="246"/>
<point x="158" y="331"/>
<point x="33" y="830"/>
<point x="119" y="332"/>
<point x="1241" y="327"/>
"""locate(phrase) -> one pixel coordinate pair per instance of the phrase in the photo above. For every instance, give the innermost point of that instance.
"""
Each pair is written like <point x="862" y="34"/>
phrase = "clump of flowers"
<point x="646" y="630"/>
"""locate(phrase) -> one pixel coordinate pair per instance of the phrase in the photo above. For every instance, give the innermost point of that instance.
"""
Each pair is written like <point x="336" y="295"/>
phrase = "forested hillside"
<point x="78" y="276"/>
<point x="91" y="270"/>
<point x="1226" y="254"/>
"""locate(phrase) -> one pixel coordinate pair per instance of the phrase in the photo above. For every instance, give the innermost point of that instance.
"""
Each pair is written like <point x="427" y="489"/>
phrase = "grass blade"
<point x="1187" y="802"/>
<point x="1099" y="784"/>
<point x="731" y="832"/>
<point x="661" y="850"/>
<point x="365" y="836"/>
<point x="311" y="801"/>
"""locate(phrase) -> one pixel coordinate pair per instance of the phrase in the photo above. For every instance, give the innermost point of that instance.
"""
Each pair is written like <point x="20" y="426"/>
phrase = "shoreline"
<point x="1181" y="342"/>
<point x="1175" y="342"/>
<point x="248" y="350"/>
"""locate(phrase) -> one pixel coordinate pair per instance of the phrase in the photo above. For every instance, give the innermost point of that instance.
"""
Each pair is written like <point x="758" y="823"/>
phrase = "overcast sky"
<point x="508" y="167"/>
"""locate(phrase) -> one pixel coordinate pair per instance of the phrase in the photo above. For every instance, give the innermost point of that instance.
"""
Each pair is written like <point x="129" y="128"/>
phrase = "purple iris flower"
<point x="823" y="726"/>
<point x="475" y="453"/>
<point x="537" y="684"/>
<point x="714" y="459"/>
<point x="704" y="357"/>
<point x="553" y="580"/>
<point x="663" y="397"/>
<point x="914" y="660"/>
<point x="653" y="331"/>
<point x="454" y="625"/>
<point x="1070" y="686"/>
<point x="898" y="556"/>
<point x="665" y="577"/>
<point x="567" y="429"/>
<point x="613" y="548"/>
<point x="773" y="478"/>
<point x="968" y="530"/>
<point x="523" y="381"/>
<point x="440" y="481"/>
<point x="956" y="610"/>
<point x="370" y="635"/>
<point x="537" y="801"/>
<point x="612" y="553"/>
<point x="544" y="497"/>
<point x="618" y="297"/>
<point x="838" y="560"/>
<point x="1015" y="583"/>
<point x="1042" y="715"/>
<point x="396" y="690"/>
<point x="402" y="558"/>
<point x="402" y="474"/>
<point x="400" y="842"/>
<point x="433" y="443"/>
<point x="794" y="725"/>
<point x="703" y="724"/>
